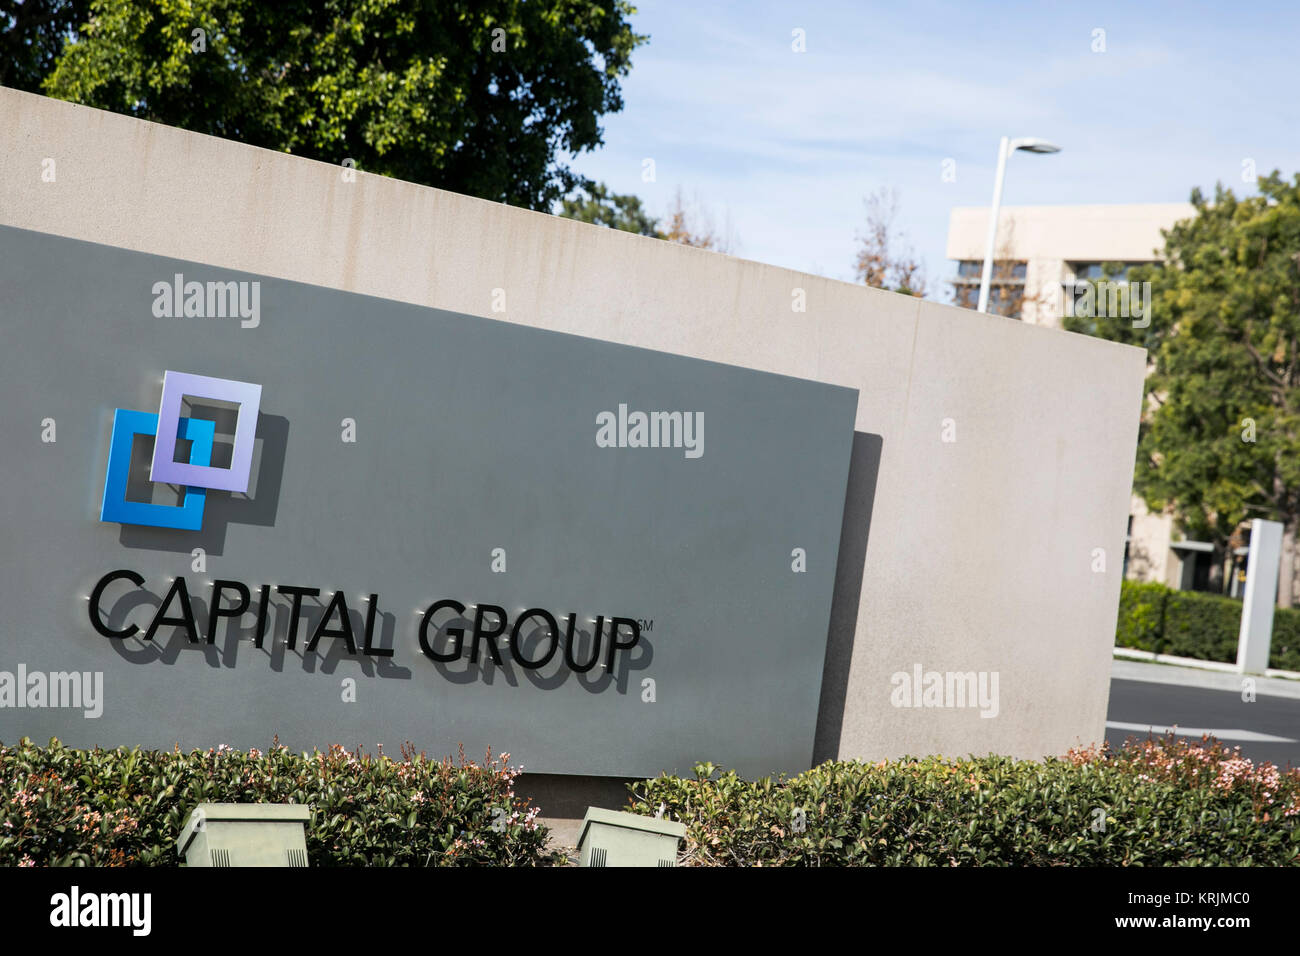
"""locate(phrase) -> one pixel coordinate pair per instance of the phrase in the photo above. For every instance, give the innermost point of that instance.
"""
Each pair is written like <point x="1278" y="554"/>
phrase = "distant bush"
<point x="1203" y="626"/>
<point x="1193" y="624"/>
<point x="1284" y="653"/>
<point x="1157" y="803"/>
<point x="65" y="807"/>
<point x="1141" y="615"/>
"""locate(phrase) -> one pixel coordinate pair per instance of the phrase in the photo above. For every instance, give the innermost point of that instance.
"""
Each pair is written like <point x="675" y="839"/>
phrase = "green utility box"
<point x="245" y="834"/>
<point x="614" y="838"/>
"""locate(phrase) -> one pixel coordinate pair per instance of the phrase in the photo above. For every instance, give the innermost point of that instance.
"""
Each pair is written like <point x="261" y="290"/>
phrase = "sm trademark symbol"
<point x="646" y="625"/>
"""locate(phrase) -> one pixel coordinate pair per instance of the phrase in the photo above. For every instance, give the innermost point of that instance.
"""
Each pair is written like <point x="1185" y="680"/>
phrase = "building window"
<point x="1087" y="270"/>
<point x="1092" y="271"/>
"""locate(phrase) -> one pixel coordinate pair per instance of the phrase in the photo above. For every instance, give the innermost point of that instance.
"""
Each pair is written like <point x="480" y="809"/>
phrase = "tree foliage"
<point x="596" y="204"/>
<point x="687" y="223"/>
<point x="1220" y="438"/>
<point x="883" y="260"/>
<point x="476" y="96"/>
<point x="691" y="224"/>
<point x="32" y="33"/>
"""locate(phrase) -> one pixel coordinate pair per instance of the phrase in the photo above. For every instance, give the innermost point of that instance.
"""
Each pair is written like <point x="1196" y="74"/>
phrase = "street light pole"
<point x="987" y="274"/>
<point x="1028" y="144"/>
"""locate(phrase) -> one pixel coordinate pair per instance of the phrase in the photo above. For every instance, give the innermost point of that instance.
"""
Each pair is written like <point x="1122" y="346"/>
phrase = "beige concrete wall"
<point x="981" y="551"/>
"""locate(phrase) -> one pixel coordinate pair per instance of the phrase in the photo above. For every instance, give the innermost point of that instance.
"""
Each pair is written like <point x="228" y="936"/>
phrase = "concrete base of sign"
<point x="984" y="528"/>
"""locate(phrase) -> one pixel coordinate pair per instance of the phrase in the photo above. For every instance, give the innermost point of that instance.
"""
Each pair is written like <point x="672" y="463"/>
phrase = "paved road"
<point x="1266" y="729"/>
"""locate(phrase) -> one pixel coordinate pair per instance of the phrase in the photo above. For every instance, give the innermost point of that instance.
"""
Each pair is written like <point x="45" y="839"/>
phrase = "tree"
<point x="476" y="96"/>
<point x="595" y="204"/>
<point x="32" y="33"/>
<point x="1010" y="293"/>
<point x="691" y="224"/>
<point x="1220" y="434"/>
<point x="880" y="262"/>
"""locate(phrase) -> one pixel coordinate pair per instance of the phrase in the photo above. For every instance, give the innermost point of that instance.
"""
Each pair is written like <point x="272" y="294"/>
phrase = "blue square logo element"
<point x="187" y="516"/>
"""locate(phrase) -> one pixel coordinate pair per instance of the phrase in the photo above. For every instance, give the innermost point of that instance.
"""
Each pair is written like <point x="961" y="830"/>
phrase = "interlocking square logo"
<point x="176" y="385"/>
<point x="197" y="475"/>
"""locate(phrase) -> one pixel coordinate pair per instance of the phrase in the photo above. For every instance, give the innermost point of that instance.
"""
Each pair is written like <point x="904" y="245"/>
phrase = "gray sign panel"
<point x="418" y="456"/>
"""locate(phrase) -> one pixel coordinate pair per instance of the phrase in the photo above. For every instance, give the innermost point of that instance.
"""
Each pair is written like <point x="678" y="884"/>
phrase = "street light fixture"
<point x="1028" y="144"/>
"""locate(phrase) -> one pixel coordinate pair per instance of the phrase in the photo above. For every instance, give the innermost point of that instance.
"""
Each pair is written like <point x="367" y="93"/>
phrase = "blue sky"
<point x="787" y="145"/>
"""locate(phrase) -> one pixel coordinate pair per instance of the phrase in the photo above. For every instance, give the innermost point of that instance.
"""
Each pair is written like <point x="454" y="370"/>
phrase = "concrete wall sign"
<point x="992" y="460"/>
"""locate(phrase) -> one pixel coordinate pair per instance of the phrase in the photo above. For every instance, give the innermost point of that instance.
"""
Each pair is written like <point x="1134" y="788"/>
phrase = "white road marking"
<point x="1159" y="731"/>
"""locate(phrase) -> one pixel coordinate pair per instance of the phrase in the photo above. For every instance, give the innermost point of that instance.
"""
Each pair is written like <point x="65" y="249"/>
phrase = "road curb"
<point x="1193" y="677"/>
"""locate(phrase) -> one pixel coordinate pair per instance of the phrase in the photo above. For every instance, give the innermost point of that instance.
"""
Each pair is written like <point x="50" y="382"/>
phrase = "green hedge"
<point x="1157" y="803"/>
<point x="1141" y="616"/>
<point x="66" y="807"/>
<point x="1284" y="653"/>
<point x="1203" y="626"/>
<point x="1193" y="624"/>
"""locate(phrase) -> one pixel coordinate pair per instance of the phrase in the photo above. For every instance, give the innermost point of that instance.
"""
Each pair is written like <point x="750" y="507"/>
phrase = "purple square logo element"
<point x="235" y="478"/>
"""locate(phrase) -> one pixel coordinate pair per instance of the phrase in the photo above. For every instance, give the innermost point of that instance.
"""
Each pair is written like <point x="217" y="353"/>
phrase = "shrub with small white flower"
<point x="1164" y="802"/>
<point x="65" y="807"/>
